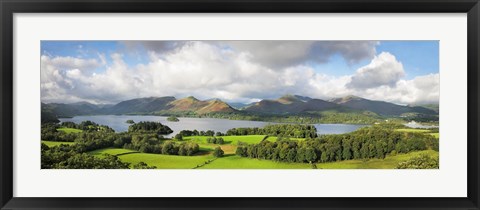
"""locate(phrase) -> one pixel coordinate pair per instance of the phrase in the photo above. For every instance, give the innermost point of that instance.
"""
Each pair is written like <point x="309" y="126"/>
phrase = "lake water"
<point x="118" y="123"/>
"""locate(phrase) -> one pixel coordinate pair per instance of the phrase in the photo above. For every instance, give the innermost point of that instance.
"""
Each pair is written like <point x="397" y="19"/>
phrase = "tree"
<point x="142" y="165"/>
<point x="310" y="155"/>
<point x="241" y="151"/>
<point x="218" y="152"/>
<point x="179" y="137"/>
<point x="209" y="133"/>
<point x="423" y="161"/>
<point x="301" y="155"/>
<point x="149" y="127"/>
<point x="173" y="119"/>
<point x="169" y="149"/>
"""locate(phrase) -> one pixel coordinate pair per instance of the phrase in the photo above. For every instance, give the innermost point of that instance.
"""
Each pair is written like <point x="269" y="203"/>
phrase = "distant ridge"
<point x="140" y="105"/>
<point x="192" y="104"/>
<point x="379" y="107"/>
<point x="290" y="104"/>
<point x="287" y="104"/>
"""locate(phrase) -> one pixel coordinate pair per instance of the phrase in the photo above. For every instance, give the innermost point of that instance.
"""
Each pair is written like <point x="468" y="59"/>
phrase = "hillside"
<point x="350" y="107"/>
<point x="70" y="110"/>
<point x="239" y="106"/>
<point x="379" y="107"/>
<point x="191" y="104"/>
<point x="290" y="104"/>
<point x="139" y="105"/>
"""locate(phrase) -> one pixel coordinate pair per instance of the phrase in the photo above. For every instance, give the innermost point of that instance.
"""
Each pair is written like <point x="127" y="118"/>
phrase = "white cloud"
<point x="281" y="54"/>
<point x="384" y="69"/>
<point x="71" y="62"/>
<point x="419" y="90"/>
<point x="207" y="70"/>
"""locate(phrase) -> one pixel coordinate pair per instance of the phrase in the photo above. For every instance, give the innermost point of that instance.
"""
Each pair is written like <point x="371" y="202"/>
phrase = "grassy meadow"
<point x="387" y="163"/>
<point x="231" y="161"/>
<point x="112" y="151"/>
<point x="205" y="159"/>
<point x="70" y="130"/>
<point x="166" y="161"/>
<point x="416" y="130"/>
<point x="56" y="143"/>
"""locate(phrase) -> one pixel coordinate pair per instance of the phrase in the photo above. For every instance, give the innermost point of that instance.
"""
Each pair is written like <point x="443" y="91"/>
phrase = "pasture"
<point x="231" y="161"/>
<point x="231" y="142"/>
<point x="56" y="143"/>
<point x="249" y="139"/>
<point x="166" y="161"/>
<point x="69" y="130"/>
<point x="390" y="162"/>
<point x="237" y="162"/>
<point x="413" y="130"/>
<point x="112" y="151"/>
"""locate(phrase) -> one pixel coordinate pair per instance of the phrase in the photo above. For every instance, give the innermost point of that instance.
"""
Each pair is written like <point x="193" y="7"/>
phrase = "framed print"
<point x="239" y="105"/>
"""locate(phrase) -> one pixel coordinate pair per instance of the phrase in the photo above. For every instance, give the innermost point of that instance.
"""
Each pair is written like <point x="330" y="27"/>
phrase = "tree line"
<point x="281" y="130"/>
<point x="87" y="126"/>
<point x="215" y="140"/>
<point x="365" y="143"/>
<point x="150" y="127"/>
<point x="158" y="145"/>
<point x="66" y="157"/>
<point x="199" y="133"/>
<point x="143" y="137"/>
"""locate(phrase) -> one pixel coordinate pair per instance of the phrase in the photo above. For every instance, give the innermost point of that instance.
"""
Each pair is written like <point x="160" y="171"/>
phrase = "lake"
<point x="118" y="123"/>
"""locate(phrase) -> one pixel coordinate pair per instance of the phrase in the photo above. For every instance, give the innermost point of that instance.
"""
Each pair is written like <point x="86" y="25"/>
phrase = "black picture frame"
<point x="10" y="7"/>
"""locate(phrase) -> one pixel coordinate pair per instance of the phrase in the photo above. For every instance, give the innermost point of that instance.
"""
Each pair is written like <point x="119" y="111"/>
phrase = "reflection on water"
<point x="118" y="123"/>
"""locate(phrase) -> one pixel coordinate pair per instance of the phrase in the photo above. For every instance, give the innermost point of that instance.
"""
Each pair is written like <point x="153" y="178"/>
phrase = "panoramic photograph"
<point x="266" y="104"/>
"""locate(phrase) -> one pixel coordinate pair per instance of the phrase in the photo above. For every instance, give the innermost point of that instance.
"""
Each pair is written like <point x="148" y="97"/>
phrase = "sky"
<point x="107" y="72"/>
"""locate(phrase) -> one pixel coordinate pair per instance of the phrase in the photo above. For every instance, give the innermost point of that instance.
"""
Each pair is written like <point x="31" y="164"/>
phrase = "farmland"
<point x="166" y="161"/>
<point x="69" y="130"/>
<point x="56" y="143"/>
<point x="373" y="147"/>
<point x="249" y="139"/>
<point x="112" y="151"/>
<point x="236" y="162"/>
<point x="388" y="163"/>
<point x="411" y="130"/>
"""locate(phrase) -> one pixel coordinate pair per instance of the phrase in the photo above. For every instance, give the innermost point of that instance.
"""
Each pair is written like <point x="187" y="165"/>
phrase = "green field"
<point x="230" y="144"/>
<point x="112" y="151"/>
<point x="437" y="135"/>
<point x="235" y="162"/>
<point x="166" y="161"/>
<point x="70" y="130"/>
<point x="249" y="139"/>
<point x="274" y="138"/>
<point x="412" y="130"/>
<point x="56" y="143"/>
<point x="389" y="162"/>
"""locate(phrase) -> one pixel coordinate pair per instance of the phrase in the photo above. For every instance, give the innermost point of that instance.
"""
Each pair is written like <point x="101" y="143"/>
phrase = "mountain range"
<point x="285" y="105"/>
